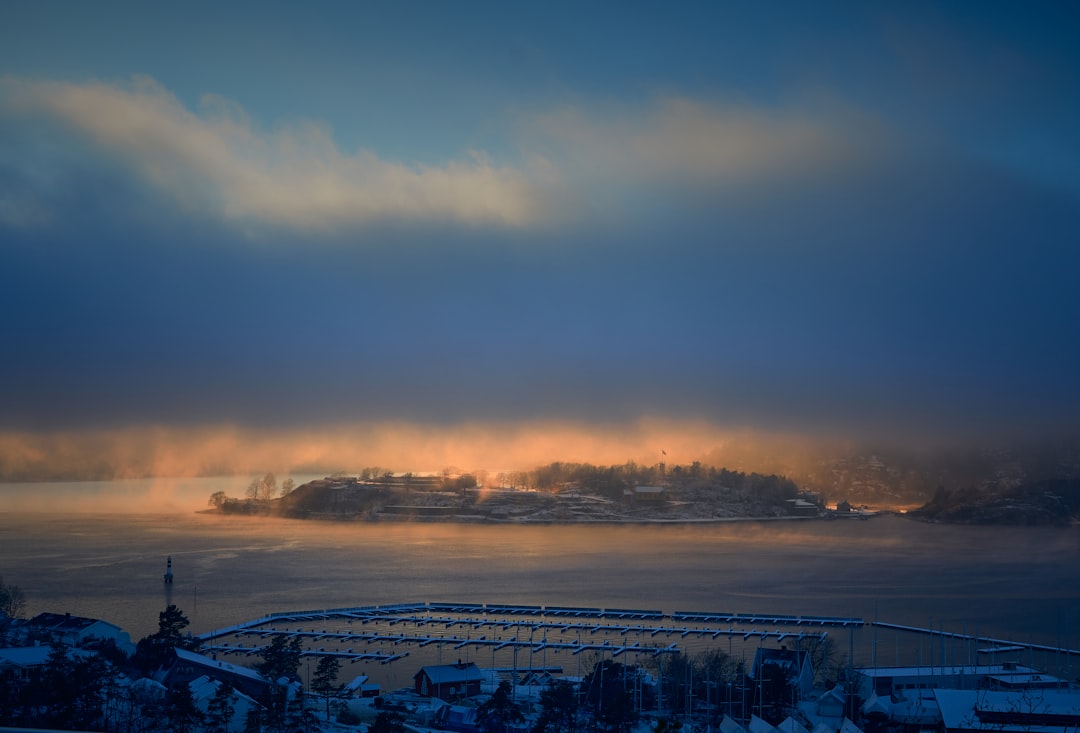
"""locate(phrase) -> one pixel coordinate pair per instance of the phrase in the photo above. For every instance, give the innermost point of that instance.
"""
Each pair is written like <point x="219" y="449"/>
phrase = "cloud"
<point x="681" y="139"/>
<point x="215" y="160"/>
<point x="572" y="163"/>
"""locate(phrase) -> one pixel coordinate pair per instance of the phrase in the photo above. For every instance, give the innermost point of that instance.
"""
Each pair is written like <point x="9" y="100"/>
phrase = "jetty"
<point x="387" y="633"/>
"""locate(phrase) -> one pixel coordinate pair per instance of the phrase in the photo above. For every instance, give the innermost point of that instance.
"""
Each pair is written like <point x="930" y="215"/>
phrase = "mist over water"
<point x="1013" y="583"/>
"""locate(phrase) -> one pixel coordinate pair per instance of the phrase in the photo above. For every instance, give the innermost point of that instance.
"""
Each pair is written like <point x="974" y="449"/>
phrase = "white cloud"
<point x="216" y="160"/>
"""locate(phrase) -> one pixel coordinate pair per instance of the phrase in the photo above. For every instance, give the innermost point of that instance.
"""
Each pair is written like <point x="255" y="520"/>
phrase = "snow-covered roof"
<point x="877" y="704"/>
<point x="790" y="725"/>
<point x="149" y="688"/>
<point x="835" y="694"/>
<point x="32" y="656"/>
<point x="356" y="683"/>
<point x="25" y="656"/>
<point x="918" y="711"/>
<point x="1027" y="679"/>
<point x="442" y="674"/>
<point x="757" y="725"/>
<point x="207" y="662"/>
<point x="63" y="623"/>
<point x="1038" y="711"/>
<point x="848" y="727"/>
<point x="940" y="670"/>
<point x="203" y="688"/>
<point x="730" y="725"/>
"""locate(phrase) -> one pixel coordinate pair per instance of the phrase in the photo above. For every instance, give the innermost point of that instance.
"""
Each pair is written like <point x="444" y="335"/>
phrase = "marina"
<point x="522" y="638"/>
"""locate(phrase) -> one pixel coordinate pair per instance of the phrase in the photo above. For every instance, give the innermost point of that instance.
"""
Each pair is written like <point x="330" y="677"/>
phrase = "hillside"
<point x="1050" y="502"/>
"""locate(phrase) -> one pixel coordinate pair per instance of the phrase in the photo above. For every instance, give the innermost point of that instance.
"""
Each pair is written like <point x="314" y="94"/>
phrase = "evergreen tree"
<point x="152" y="651"/>
<point x="183" y="714"/>
<point x="559" y="709"/>
<point x="495" y="715"/>
<point x="325" y="679"/>
<point x="281" y="657"/>
<point x="220" y="709"/>
<point x="605" y="692"/>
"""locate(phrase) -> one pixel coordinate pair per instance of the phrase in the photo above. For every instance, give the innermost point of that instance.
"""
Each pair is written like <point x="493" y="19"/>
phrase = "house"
<point x="361" y="687"/>
<point x="449" y="681"/>
<point x="21" y="661"/>
<point x="793" y="664"/>
<point x="77" y="631"/>
<point x="802" y="508"/>
<point x="832" y="703"/>
<point x="646" y="494"/>
<point x="184" y="666"/>
<point x="972" y="711"/>
<point x="204" y="689"/>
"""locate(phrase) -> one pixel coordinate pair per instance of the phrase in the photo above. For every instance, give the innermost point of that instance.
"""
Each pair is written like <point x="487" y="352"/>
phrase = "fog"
<point x="103" y="455"/>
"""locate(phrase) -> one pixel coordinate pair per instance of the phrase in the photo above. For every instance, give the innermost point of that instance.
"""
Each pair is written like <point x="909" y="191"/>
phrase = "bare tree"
<point x="12" y="600"/>
<point x="268" y="487"/>
<point x="287" y="487"/>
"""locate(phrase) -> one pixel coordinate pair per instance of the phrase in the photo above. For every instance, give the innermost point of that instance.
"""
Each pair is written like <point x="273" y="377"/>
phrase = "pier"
<point x="387" y="633"/>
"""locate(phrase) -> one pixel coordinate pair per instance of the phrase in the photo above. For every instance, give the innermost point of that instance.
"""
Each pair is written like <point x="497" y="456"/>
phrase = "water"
<point x="1012" y="583"/>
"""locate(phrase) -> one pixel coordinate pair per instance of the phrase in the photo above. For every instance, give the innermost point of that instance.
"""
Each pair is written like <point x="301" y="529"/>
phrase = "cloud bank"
<point x="216" y="161"/>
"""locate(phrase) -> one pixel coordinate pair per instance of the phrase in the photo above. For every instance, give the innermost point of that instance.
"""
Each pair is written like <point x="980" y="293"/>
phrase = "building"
<point x="888" y="681"/>
<point x="21" y="661"/>
<point x="975" y="711"/>
<point x="77" y="631"/>
<point x="793" y="664"/>
<point x="449" y="681"/>
<point x="646" y="494"/>
<point x="184" y="666"/>
<point x="203" y="691"/>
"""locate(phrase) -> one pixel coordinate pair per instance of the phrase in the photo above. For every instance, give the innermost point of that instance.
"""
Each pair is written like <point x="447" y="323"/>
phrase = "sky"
<point x="247" y="235"/>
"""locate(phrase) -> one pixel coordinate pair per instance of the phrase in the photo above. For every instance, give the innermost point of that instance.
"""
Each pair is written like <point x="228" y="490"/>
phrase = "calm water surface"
<point x="1015" y="583"/>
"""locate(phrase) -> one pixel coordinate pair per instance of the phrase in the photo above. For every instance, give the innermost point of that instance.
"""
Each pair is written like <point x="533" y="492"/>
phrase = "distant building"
<point x="645" y="494"/>
<point x="802" y="508"/>
<point x="449" y="681"/>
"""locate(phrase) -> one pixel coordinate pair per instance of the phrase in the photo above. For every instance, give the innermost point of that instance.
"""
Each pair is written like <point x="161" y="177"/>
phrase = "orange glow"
<point x="139" y="452"/>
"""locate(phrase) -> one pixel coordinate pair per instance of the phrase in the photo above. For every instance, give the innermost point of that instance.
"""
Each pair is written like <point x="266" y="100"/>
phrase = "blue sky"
<point x="519" y="219"/>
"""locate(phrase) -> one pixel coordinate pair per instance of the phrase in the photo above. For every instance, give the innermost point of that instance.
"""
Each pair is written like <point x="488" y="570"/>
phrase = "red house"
<point x="448" y="681"/>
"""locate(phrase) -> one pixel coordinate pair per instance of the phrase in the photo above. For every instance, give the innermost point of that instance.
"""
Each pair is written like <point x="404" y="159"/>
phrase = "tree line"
<point x="611" y="480"/>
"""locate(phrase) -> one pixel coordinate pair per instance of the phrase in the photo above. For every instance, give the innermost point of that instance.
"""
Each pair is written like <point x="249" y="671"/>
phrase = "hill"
<point x="1049" y="502"/>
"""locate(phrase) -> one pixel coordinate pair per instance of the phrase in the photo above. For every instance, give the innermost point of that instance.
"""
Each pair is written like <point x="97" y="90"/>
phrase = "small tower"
<point x="168" y="571"/>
